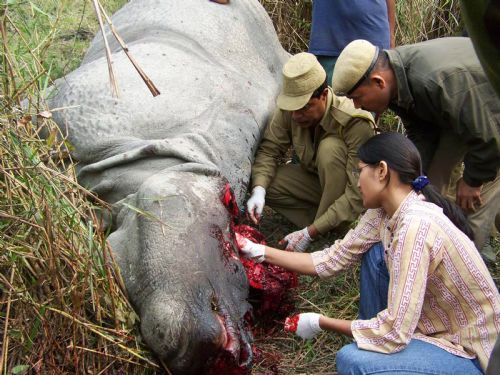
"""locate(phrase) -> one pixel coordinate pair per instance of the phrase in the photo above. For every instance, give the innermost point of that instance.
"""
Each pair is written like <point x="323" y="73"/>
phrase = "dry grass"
<point x="292" y="21"/>
<point x="284" y="353"/>
<point x="419" y="20"/>
<point x="62" y="308"/>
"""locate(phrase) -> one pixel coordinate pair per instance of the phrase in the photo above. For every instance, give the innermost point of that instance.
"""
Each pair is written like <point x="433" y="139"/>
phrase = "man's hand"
<point x="468" y="197"/>
<point x="305" y="325"/>
<point x="297" y="241"/>
<point x="251" y="250"/>
<point x="255" y="204"/>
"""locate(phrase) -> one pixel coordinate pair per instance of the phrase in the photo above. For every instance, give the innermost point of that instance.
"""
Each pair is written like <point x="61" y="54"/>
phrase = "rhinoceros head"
<point x="188" y="283"/>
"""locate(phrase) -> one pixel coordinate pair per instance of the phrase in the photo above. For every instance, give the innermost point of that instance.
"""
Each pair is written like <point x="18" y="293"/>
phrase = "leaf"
<point x="120" y="316"/>
<point x="51" y="138"/>
<point x="34" y="7"/>
<point x="20" y="369"/>
<point x="132" y="318"/>
<point x="23" y="121"/>
<point x="45" y="114"/>
<point x="68" y="145"/>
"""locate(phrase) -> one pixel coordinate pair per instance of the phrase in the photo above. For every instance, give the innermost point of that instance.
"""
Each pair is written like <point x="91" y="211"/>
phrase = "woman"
<point x="427" y="298"/>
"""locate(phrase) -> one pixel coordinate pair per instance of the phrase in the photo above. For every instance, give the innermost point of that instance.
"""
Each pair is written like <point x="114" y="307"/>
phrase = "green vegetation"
<point x="62" y="307"/>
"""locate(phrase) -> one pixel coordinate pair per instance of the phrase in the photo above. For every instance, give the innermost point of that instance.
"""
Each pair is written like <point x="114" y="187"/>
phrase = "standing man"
<point x="335" y="23"/>
<point x="325" y="131"/>
<point x="448" y="107"/>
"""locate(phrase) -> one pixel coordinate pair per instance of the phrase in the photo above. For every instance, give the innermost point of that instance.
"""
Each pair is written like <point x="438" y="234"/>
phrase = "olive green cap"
<point x="302" y="75"/>
<point x="353" y="65"/>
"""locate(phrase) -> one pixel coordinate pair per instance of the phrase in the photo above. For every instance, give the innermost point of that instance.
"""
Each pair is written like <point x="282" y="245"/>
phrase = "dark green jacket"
<point x="443" y="88"/>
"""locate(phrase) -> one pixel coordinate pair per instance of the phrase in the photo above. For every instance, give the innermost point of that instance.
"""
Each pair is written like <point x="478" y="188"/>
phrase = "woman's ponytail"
<point x="450" y="209"/>
<point x="402" y="156"/>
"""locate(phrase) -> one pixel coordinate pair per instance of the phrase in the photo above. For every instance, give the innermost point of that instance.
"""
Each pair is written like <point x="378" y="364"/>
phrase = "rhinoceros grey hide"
<point x="162" y="162"/>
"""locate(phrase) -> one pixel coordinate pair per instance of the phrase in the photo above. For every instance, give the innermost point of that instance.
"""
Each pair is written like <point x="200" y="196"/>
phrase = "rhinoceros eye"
<point x="214" y="303"/>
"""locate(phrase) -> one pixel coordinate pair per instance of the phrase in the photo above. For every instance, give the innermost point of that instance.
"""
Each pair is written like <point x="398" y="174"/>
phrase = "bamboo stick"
<point x="151" y="86"/>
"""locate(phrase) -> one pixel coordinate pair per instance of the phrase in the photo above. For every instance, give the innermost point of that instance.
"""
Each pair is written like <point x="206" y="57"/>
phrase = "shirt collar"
<point x="403" y="207"/>
<point x="324" y="120"/>
<point x="404" y="98"/>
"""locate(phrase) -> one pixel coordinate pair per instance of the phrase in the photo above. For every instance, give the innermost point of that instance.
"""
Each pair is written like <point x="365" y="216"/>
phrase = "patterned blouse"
<point x="440" y="290"/>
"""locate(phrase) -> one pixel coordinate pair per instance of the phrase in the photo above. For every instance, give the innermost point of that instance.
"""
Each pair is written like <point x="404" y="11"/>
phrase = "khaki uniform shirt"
<point x="443" y="88"/>
<point x="440" y="290"/>
<point x="342" y="120"/>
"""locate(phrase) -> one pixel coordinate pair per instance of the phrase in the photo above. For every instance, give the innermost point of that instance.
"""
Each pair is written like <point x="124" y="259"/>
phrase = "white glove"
<point x="304" y="325"/>
<point x="250" y="249"/>
<point x="298" y="241"/>
<point x="255" y="204"/>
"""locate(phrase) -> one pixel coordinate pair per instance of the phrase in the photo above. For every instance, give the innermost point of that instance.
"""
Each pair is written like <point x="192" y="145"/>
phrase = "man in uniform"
<point x="320" y="193"/>
<point x="449" y="109"/>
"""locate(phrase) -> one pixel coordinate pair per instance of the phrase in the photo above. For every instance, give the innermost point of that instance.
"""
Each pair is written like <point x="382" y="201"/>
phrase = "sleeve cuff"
<point x="471" y="181"/>
<point x="260" y="181"/>
<point x="322" y="224"/>
<point x="354" y="332"/>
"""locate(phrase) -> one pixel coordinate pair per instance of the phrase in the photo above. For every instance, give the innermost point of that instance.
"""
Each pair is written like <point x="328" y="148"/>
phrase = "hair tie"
<point x="419" y="183"/>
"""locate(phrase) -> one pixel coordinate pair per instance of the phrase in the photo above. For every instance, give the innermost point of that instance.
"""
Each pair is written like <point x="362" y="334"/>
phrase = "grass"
<point x="62" y="307"/>
<point x="336" y="297"/>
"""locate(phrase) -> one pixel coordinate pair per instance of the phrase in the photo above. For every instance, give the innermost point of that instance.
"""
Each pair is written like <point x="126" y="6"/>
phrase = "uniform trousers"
<point x="447" y="159"/>
<point x="302" y="196"/>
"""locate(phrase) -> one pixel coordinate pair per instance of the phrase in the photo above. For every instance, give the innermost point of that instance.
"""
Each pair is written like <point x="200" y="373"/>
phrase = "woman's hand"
<point x="250" y="249"/>
<point x="308" y="325"/>
<point x="305" y="325"/>
<point x="296" y="262"/>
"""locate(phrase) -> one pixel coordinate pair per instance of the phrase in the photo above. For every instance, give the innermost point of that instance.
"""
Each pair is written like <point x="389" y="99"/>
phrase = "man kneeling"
<point x="320" y="193"/>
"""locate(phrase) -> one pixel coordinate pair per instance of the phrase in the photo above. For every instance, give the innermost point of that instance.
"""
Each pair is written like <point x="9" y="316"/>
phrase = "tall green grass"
<point x="62" y="305"/>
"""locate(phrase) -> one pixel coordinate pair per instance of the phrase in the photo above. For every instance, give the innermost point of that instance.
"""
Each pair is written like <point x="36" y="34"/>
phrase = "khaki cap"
<point x="353" y="65"/>
<point x="302" y="75"/>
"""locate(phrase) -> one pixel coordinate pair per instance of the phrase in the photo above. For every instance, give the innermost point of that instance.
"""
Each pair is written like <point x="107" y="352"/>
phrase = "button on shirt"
<point x="440" y="290"/>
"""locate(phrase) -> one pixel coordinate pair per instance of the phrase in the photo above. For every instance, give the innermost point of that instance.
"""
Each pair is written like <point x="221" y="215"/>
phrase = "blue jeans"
<point x="418" y="357"/>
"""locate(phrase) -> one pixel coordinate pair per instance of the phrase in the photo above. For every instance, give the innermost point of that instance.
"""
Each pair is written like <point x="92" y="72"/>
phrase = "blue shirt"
<point x="335" y="23"/>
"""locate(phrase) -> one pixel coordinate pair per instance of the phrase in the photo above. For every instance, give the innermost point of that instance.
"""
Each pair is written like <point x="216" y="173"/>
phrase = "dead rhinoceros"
<point x="163" y="162"/>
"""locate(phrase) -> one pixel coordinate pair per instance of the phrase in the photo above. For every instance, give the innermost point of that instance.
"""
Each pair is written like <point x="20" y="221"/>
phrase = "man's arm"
<point x="474" y="114"/>
<point x="478" y="124"/>
<point x="275" y="142"/>
<point x="391" y="15"/>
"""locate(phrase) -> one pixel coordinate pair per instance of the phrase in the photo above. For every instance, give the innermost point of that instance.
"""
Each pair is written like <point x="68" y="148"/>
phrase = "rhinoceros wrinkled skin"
<point x="163" y="162"/>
